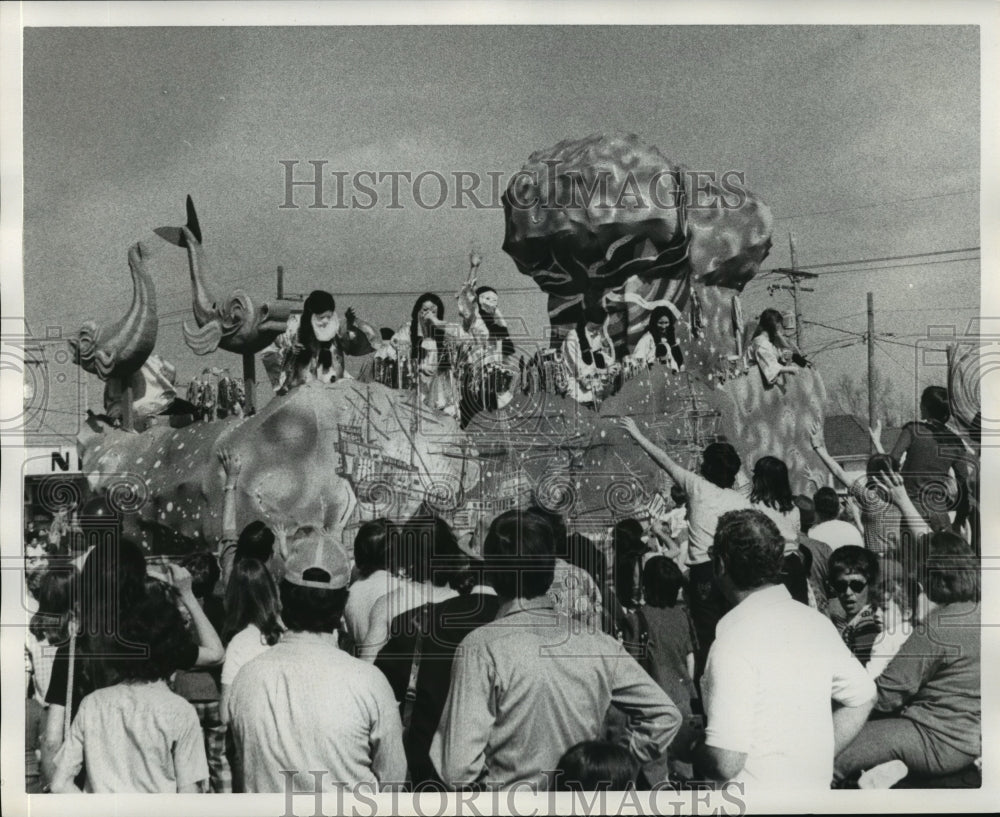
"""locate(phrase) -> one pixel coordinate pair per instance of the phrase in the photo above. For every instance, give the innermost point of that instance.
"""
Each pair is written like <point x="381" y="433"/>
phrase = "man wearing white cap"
<point x="305" y="715"/>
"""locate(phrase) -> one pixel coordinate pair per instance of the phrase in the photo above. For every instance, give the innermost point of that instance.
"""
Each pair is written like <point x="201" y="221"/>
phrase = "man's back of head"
<point x="520" y="555"/>
<point x="827" y="504"/>
<point x="750" y="548"/>
<point x="314" y="589"/>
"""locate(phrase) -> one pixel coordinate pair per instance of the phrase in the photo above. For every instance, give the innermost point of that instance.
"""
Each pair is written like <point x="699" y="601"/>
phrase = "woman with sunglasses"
<point x="853" y="576"/>
<point x="589" y="357"/>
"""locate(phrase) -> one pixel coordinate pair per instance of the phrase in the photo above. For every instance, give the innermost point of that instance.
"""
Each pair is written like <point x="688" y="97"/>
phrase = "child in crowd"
<point x="676" y="523"/>
<point x="136" y="735"/>
<point x="667" y="639"/>
<point x="895" y="604"/>
<point x="629" y="549"/>
<point x="853" y="576"/>
<point x="594" y="765"/>
<point x="253" y="619"/>
<point x="830" y="528"/>
<point x="200" y="685"/>
<point x="373" y="578"/>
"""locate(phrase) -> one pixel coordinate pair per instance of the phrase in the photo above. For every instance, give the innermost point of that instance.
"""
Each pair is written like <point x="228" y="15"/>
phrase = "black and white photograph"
<point x="478" y="408"/>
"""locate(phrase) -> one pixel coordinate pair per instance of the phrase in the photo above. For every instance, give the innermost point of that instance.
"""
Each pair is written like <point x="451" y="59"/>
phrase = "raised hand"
<point x="892" y="484"/>
<point x="180" y="577"/>
<point x="813" y="477"/>
<point x="280" y="529"/>
<point x="232" y="464"/>
<point x="816" y="436"/>
<point x="466" y="298"/>
<point x="875" y="433"/>
<point x="628" y="424"/>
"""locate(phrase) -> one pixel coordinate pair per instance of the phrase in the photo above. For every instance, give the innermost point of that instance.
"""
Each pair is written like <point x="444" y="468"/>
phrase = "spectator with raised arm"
<point x="257" y="540"/>
<point x="880" y="517"/>
<point x="927" y="450"/>
<point x="112" y="581"/>
<point x="136" y="735"/>
<point x="931" y="688"/>
<point x="710" y="494"/>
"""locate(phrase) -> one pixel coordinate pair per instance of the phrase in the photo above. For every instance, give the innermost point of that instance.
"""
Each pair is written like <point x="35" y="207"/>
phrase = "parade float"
<point x="337" y="454"/>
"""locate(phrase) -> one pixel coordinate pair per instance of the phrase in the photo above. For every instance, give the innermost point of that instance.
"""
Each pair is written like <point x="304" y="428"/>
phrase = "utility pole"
<point x="871" y="365"/>
<point x="794" y="276"/>
<point x="795" y="291"/>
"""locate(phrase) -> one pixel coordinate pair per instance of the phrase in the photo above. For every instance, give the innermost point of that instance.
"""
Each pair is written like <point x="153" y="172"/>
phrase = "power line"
<point x="834" y="328"/>
<point x="887" y="311"/>
<point x="836" y="346"/>
<point x="877" y="204"/>
<point x="878" y="345"/>
<point x="874" y="269"/>
<point x="927" y="254"/>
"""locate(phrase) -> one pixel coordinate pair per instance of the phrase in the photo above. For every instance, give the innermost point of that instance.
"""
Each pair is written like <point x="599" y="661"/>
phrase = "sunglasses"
<point x="856" y="585"/>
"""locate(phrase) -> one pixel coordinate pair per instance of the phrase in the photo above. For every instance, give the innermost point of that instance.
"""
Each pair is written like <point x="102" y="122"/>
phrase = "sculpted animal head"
<point x="118" y="350"/>
<point x="234" y="323"/>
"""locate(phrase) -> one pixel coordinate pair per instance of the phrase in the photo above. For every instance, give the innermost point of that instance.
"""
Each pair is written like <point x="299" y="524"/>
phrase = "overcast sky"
<point x="863" y="140"/>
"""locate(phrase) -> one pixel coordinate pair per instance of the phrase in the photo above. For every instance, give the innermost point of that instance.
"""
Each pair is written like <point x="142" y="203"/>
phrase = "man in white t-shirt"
<point x="828" y="528"/>
<point x="772" y="672"/>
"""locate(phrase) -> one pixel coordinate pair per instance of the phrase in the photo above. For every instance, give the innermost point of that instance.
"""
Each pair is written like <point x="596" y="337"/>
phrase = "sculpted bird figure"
<point x="234" y="323"/>
<point x="116" y="351"/>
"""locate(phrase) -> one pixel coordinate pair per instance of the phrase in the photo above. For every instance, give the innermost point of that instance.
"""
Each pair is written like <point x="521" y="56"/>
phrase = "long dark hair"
<point x="666" y="343"/>
<point x="662" y="581"/>
<point x="771" y="486"/>
<point x="628" y="550"/>
<point x="318" y="302"/>
<point x="55" y="603"/>
<point x="416" y="350"/>
<point x="252" y="598"/>
<point x="769" y="323"/>
<point x="112" y="582"/>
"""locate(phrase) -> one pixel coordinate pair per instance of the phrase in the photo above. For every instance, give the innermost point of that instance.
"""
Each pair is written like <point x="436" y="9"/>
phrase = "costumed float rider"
<point x="488" y="303"/>
<point x="435" y="350"/>
<point x="313" y="348"/>
<point x="771" y="351"/>
<point x="589" y="357"/>
<point x="659" y="343"/>
<point x="486" y="383"/>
